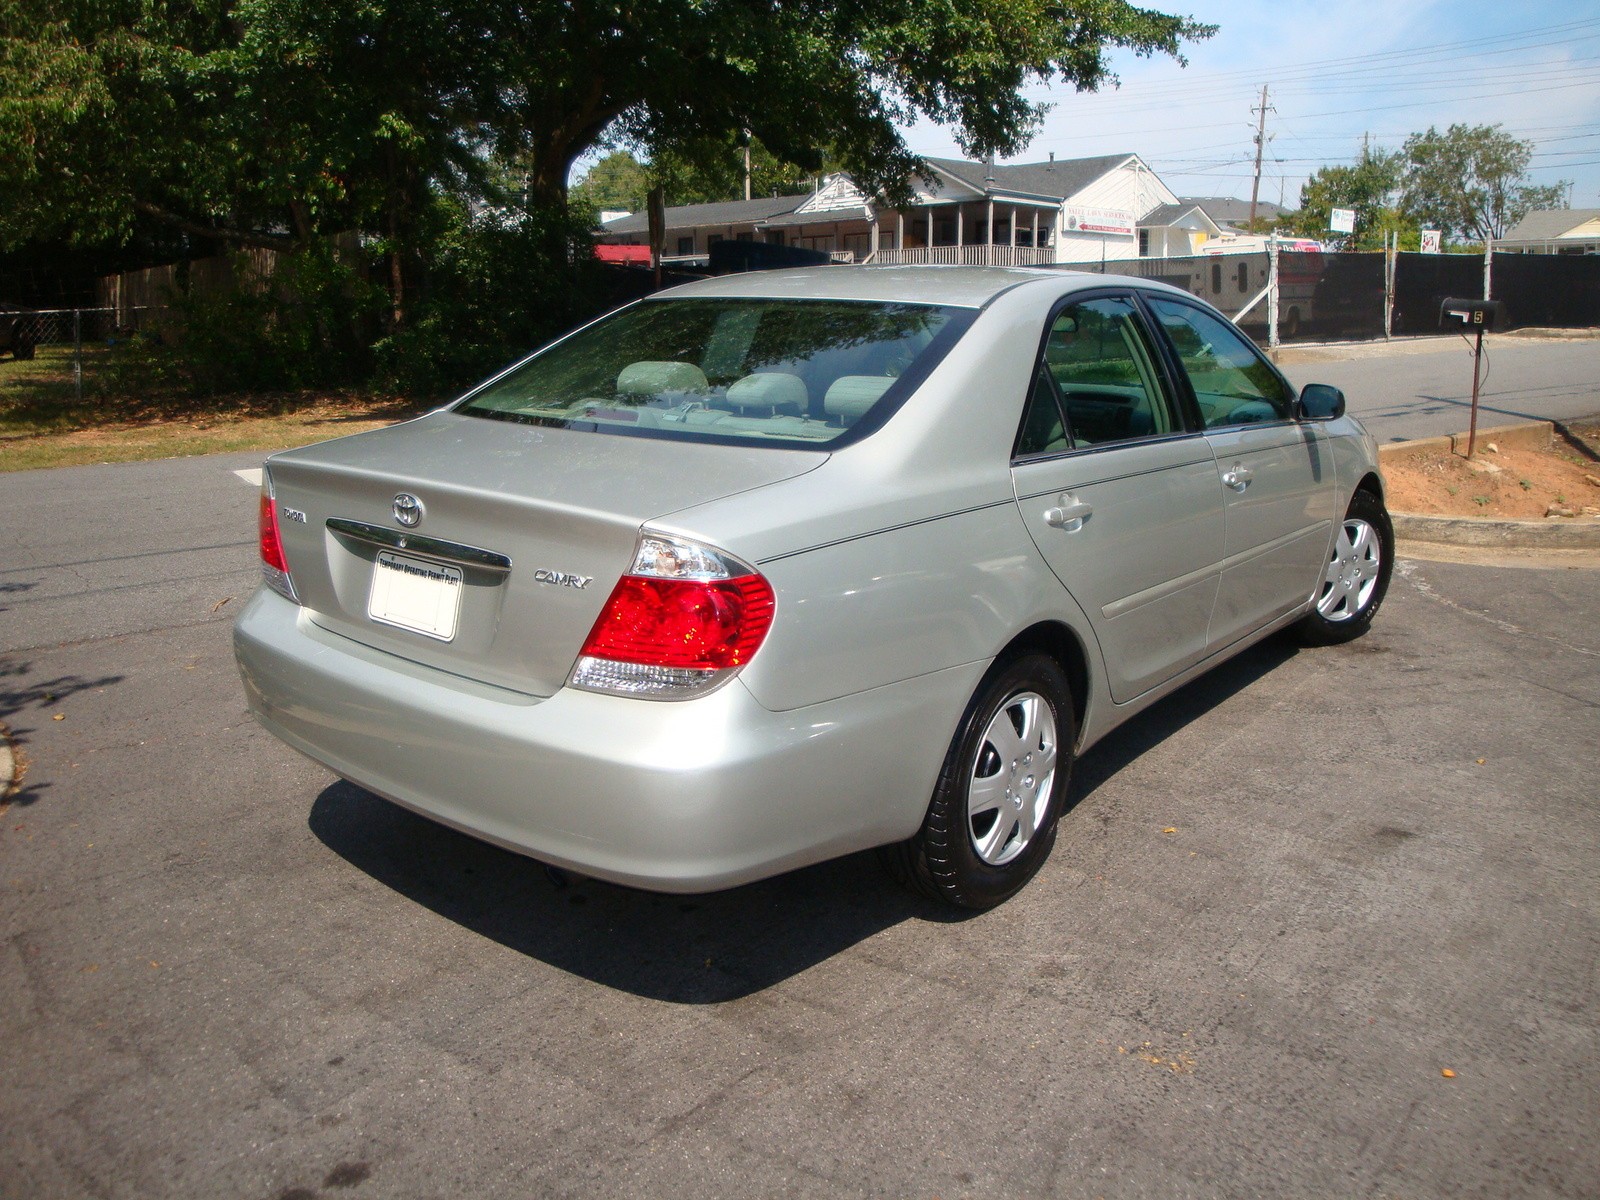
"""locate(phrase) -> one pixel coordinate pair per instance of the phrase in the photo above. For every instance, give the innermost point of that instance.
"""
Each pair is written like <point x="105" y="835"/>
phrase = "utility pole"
<point x="747" y="164"/>
<point x="1261" y="144"/>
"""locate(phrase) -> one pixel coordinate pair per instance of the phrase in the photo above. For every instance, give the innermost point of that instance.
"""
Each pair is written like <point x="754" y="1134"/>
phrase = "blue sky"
<point x="1335" y="73"/>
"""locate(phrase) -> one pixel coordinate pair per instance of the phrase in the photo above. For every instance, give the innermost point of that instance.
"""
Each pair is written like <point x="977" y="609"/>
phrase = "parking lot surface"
<point x="1287" y="902"/>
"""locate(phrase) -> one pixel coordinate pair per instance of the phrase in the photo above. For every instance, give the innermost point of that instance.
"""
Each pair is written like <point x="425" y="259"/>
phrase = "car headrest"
<point x="767" y="391"/>
<point x="852" y="395"/>
<point x="648" y="378"/>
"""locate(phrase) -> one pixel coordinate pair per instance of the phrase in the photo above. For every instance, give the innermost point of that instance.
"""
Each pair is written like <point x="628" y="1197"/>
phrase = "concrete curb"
<point x="1549" y="534"/>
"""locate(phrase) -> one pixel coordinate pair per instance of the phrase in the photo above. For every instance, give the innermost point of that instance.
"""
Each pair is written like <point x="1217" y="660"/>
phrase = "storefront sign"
<point x="1116" y="221"/>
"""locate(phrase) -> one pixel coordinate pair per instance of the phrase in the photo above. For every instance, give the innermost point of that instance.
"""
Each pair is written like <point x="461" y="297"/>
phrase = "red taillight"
<point x="692" y="624"/>
<point x="271" y="543"/>
<point x="274" y="566"/>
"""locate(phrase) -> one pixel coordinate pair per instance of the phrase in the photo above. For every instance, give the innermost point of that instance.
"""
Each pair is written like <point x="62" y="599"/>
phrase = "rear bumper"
<point x="679" y="797"/>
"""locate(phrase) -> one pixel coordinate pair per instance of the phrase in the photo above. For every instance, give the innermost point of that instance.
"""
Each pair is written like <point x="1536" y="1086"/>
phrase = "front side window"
<point x="783" y="372"/>
<point x="1232" y="382"/>
<point x="1099" y="360"/>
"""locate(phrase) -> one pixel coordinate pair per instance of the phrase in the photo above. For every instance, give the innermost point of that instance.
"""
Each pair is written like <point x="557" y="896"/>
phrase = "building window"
<point x="1216" y="279"/>
<point x="686" y="244"/>
<point x="744" y="237"/>
<point x="774" y="237"/>
<point x="1144" y="243"/>
<point x="1244" y="277"/>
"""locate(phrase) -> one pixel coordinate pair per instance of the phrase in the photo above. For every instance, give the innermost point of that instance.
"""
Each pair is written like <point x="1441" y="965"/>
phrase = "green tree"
<point x="267" y="122"/>
<point x="1367" y="186"/>
<point x="1471" y="181"/>
<point x="618" y="180"/>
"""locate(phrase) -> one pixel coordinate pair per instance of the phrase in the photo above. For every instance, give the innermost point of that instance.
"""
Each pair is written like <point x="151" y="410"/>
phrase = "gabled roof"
<point x="726" y="212"/>
<point x="1549" y="224"/>
<point x="1226" y="210"/>
<point x="1171" y="214"/>
<point x="1059" y="179"/>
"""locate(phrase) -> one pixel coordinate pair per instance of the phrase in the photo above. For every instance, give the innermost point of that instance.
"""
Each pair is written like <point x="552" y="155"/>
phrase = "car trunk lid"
<point x="523" y="531"/>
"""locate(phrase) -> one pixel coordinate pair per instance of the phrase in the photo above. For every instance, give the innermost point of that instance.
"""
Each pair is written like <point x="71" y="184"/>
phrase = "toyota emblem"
<point x="408" y="510"/>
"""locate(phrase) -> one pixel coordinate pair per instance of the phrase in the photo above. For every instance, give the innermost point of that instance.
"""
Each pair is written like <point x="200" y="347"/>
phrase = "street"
<point x="1325" y="922"/>
<point x="1422" y="387"/>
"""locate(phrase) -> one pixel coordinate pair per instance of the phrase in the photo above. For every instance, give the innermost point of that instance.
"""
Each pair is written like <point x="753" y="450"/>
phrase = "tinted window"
<point x="1042" y="428"/>
<point x="1232" y="382"/>
<point x="1098" y="357"/>
<point x="783" y="371"/>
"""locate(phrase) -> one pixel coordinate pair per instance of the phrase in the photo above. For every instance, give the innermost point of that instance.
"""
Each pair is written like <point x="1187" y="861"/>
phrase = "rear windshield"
<point x="782" y="372"/>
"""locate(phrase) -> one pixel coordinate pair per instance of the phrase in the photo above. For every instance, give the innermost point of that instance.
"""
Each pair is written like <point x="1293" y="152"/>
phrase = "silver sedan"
<point x="778" y="566"/>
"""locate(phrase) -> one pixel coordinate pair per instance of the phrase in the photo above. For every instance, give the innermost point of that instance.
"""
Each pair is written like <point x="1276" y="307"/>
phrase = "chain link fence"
<point x="72" y="340"/>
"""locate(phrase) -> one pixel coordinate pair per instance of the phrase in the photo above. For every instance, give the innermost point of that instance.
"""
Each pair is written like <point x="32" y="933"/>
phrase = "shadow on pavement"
<point x="1166" y="717"/>
<point x="683" y="949"/>
<point x="18" y="692"/>
<point x="689" y="949"/>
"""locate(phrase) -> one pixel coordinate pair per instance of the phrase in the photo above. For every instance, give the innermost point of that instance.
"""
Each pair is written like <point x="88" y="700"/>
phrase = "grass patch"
<point x="48" y="420"/>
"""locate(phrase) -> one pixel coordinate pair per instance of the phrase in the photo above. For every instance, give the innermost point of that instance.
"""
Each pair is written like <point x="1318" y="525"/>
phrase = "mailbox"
<point x="1470" y="314"/>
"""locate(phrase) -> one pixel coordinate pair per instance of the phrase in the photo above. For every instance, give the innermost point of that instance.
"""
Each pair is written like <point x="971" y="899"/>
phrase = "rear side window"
<point x="778" y="372"/>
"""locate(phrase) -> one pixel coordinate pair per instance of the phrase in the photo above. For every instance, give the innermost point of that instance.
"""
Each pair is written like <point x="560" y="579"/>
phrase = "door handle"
<point x="1068" y="515"/>
<point x="1238" y="477"/>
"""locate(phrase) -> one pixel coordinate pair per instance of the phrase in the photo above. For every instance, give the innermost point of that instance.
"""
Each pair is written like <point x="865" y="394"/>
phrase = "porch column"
<point x="1036" y="229"/>
<point x="899" y="230"/>
<point x="1013" y="225"/>
<point x="961" y="224"/>
<point x="873" y="229"/>
<point x="930" y="231"/>
<point x="988" y="236"/>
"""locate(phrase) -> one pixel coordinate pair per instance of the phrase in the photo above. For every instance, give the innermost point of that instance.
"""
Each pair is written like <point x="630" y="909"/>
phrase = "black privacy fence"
<point x="1325" y="295"/>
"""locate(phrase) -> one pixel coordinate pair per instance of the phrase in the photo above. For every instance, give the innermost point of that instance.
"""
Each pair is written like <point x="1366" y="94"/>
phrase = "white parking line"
<point x="251" y="476"/>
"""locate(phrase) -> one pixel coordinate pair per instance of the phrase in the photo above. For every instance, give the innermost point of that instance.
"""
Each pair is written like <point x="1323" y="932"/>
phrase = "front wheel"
<point x="992" y="819"/>
<point x="1357" y="575"/>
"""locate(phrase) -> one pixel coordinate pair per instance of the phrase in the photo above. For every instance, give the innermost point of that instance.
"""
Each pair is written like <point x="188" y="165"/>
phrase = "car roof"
<point x="960" y="287"/>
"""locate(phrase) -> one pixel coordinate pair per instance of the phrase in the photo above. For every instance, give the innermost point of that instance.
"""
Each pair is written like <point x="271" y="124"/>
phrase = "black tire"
<point x="944" y="860"/>
<point x="23" y="351"/>
<point x="1333" y="620"/>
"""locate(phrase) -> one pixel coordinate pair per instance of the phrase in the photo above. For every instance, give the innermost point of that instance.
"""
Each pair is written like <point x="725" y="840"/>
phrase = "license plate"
<point x="415" y="594"/>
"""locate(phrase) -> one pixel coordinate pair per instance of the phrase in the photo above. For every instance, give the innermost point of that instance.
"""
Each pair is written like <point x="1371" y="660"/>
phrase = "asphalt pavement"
<point x="1422" y="387"/>
<point x="1288" y="900"/>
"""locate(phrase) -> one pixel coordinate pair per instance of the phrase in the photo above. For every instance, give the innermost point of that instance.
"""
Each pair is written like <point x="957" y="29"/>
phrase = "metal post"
<point x="1272" y="292"/>
<point x="1472" y="427"/>
<point x="1391" y="264"/>
<point x="1488" y="268"/>
<point x="77" y="354"/>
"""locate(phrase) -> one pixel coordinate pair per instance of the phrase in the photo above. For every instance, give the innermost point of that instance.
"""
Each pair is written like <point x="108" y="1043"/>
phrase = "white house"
<point x="1553" y="231"/>
<point x="1069" y="211"/>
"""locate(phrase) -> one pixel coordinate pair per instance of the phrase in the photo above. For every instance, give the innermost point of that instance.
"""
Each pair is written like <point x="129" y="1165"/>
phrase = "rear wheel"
<point x="1357" y="575"/>
<point x="992" y="819"/>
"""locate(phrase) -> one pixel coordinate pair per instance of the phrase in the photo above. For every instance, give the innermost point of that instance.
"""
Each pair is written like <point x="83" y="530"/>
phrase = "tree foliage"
<point x="277" y="123"/>
<point x="694" y="175"/>
<point x="1368" y="186"/>
<point x="267" y="122"/>
<point x="1471" y="181"/>
<point x="617" y="181"/>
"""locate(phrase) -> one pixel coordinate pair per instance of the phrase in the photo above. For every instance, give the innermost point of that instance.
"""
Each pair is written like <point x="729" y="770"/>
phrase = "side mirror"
<point x="1320" y="402"/>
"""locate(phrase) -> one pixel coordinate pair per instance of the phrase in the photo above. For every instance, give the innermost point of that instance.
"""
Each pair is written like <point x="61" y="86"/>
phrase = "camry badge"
<point x="408" y="510"/>
<point x="562" y="578"/>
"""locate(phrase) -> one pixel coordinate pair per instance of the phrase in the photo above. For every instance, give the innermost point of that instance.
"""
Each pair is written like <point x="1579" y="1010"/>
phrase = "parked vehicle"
<point x="19" y="331"/>
<point x="773" y="567"/>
